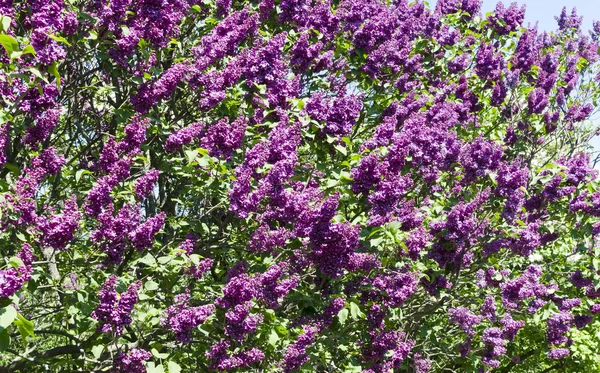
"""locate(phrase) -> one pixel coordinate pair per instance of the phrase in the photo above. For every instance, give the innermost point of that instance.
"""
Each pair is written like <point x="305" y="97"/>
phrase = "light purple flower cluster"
<point x="114" y="312"/>
<point x="422" y="365"/>
<point x="465" y="319"/>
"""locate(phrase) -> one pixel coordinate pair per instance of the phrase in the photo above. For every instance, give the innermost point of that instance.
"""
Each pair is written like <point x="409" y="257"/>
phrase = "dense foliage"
<point x="296" y="185"/>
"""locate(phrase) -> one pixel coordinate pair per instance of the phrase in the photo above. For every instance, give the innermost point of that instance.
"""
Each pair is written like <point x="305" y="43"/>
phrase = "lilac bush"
<point x="297" y="186"/>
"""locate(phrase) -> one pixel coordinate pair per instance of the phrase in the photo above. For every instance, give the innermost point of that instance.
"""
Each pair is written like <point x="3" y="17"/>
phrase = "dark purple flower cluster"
<point x="479" y="157"/>
<point x="296" y="355"/>
<point x="197" y="270"/>
<point x="13" y="279"/>
<point x="142" y="236"/>
<point x="23" y="202"/>
<point x="337" y="115"/>
<point x="558" y="325"/>
<point x="489" y="62"/>
<point x="42" y="128"/>
<point x="144" y="186"/>
<point x="377" y="351"/>
<point x="58" y="230"/>
<point x="332" y="244"/>
<point x="280" y="150"/>
<point x="114" y="312"/>
<point x="506" y="20"/>
<point x="271" y="287"/>
<point x="222" y="138"/>
<point x="155" y="22"/>
<point x="566" y="21"/>
<point x="239" y="321"/>
<point x="114" y="232"/>
<point x="222" y="360"/>
<point x="181" y="319"/>
<point x="451" y="6"/>
<point x="116" y="160"/>
<point x="526" y="53"/>
<point x="523" y="287"/>
<point x="397" y="287"/>
<point x="224" y="39"/>
<point x="150" y="93"/>
<point x="185" y="136"/>
<point x="132" y="362"/>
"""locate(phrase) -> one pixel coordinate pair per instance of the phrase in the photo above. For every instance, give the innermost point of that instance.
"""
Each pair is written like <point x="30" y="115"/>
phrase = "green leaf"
<point x="4" y="340"/>
<point x="355" y="311"/>
<point x="5" y="23"/>
<point x="25" y="326"/>
<point x="341" y="149"/>
<point x="195" y="258"/>
<point x="9" y="43"/>
<point x="97" y="351"/>
<point x="148" y="260"/>
<point x="60" y="39"/>
<point x="155" y="368"/>
<point x="151" y="285"/>
<point x="16" y="262"/>
<point x="173" y="367"/>
<point x="80" y="173"/>
<point x="191" y="155"/>
<point x="93" y="35"/>
<point x="7" y="315"/>
<point x="343" y="316"/>
<point x="53" y="69"/>
<point x="273" y="338"/>
<point x="159" y="355"/>
<point x="37" y="73"/>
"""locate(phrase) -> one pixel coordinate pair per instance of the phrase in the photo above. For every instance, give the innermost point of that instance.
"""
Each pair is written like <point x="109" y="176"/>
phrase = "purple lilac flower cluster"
<point x="386" y="222"/>
<point x="114" y="311"/>
<point x="132" y="361"/>
<point x="181" y="319"/>
<point x="13" y="279"/>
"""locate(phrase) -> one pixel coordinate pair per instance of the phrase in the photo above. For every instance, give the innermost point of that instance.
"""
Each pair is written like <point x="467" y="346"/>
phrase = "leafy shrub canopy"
<point x="296" y="185"/>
